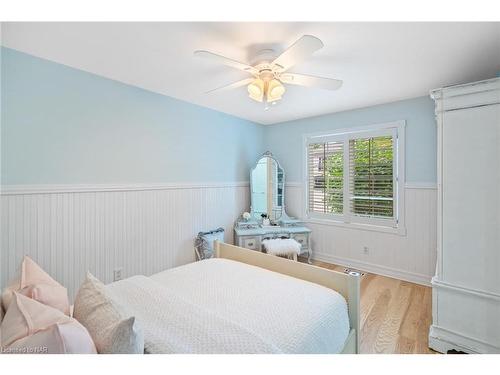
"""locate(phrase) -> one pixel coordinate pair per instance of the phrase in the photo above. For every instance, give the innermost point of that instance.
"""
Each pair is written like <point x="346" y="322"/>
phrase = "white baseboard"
<point x="443" y="340"/>
<point x="374" y="268"/>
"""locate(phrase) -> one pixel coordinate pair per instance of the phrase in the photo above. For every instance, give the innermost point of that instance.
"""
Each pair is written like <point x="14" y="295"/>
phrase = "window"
<point x="354" y="176"/>
<point x="326" y="182"/>
<point x="371" y="176"/>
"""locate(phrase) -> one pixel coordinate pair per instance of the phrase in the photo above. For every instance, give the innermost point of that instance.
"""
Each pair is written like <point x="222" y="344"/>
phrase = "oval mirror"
<point x="267" y="182"/>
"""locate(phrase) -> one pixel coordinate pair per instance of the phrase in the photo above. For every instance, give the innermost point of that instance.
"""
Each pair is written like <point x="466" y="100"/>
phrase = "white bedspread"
<point x="223" y="306"/>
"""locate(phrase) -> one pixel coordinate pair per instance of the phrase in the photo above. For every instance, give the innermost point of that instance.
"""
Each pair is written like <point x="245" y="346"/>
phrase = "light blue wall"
<point x="284" y="140"/>
<point x="64" y="126"/>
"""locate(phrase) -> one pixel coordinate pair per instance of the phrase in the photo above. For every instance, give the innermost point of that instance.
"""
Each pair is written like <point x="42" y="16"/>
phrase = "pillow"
<point x="204" y="243"/>
<point x="31" y="327"/>
<point x="35" y="283"/>
<point x="8" y="291"/>
<point x="105" y="321"/>
<point x="68" y="338"/>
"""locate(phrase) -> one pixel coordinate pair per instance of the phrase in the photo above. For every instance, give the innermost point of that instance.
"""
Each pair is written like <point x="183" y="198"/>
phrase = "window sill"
<point x="400" y="230"/>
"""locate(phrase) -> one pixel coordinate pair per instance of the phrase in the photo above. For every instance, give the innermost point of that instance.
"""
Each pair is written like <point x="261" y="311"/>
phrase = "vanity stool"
<point x="287" y="247"/>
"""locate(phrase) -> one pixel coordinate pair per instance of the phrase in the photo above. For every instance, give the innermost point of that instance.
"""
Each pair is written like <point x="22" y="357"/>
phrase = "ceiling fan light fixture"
<point x="275" y="90"/>
<point x="268" y="75"/>
<point x="256" y="90"/>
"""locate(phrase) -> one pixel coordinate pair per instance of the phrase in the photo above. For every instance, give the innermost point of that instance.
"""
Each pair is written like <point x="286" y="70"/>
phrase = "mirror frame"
<point x="283" y="216"/>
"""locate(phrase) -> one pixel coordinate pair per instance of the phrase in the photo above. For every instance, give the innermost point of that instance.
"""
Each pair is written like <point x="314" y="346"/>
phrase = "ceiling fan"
<point x="270" y="72"/>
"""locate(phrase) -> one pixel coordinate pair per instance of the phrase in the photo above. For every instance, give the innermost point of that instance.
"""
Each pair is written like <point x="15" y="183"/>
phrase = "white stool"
<point x="286" y="247"/>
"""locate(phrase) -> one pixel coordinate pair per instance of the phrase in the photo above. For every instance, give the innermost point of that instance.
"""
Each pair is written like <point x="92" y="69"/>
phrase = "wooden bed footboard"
<point x="347" y="285"/>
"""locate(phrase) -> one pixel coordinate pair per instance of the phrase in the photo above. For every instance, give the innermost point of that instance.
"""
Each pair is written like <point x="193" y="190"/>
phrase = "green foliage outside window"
<point x="370" y="177"/>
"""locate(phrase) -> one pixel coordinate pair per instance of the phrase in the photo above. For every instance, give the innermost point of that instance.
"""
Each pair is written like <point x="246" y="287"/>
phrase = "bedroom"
<point x="123" y="153"/>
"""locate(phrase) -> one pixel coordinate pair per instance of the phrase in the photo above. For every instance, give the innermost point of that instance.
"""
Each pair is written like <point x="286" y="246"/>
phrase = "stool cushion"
<point x="278" y="246"/>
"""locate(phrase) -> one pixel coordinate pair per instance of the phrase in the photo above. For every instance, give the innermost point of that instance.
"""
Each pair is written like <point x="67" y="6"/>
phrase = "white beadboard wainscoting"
<point x="142" y="229"/>
<point x="145" y="229"/>
<point x="410" y="257"/>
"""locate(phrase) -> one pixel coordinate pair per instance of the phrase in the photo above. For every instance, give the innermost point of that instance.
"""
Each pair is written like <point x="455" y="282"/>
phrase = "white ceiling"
<point x="378" y="62"/>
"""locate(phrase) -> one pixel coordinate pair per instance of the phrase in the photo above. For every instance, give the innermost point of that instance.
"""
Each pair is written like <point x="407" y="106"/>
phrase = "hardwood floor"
<point x="395" y="314"/>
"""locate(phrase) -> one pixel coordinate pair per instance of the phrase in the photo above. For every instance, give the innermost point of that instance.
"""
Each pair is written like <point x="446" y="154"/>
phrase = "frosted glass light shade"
<point x="256" y="90"/>
<point x="275" y="90"/>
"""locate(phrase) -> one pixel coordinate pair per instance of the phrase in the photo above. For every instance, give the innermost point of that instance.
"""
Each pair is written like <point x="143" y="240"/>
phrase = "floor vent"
<point x="351" y="271"/>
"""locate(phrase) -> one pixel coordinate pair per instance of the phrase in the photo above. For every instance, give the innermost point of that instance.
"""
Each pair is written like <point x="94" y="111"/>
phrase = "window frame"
<point x="348" y="219"/>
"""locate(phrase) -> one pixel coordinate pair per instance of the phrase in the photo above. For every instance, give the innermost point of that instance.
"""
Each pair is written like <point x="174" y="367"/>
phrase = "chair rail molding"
<point x="82" y="188"/>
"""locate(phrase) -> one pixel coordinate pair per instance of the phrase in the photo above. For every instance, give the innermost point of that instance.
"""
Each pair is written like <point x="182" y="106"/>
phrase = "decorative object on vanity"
<point x="204" y="243"/>
<point x="247" y="224"/>
<point x="266" y="222"/>
<point x="267" y="195"/>
<point x="466" y="287"/>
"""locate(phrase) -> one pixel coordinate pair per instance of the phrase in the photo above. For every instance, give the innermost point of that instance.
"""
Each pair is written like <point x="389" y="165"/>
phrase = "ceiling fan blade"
<point x="233" y="85"/>
<point x="311" y="81"/>
<point x="298" y="51"/>
<point x="226" y="61"/>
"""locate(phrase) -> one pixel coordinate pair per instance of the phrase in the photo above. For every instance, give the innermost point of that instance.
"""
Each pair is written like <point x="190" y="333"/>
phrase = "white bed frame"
<point x="346" y="285"/>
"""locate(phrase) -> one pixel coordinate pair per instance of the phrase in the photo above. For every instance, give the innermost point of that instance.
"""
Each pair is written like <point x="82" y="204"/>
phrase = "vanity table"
<point x="267" y="192"/>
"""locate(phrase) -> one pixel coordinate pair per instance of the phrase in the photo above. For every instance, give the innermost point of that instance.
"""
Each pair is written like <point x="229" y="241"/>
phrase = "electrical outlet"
<point x="366" y="250"/>
<point x="117" y="274"/>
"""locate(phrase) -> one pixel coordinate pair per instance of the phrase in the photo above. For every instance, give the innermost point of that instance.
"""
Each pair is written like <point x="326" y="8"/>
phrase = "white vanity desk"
<point x="251" y="236"/>
<point x="267" y="192"/>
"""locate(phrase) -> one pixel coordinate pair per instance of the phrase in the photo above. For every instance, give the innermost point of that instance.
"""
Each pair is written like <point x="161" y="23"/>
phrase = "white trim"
<point x="400" y="230"/>
<point x="490" y="84"/>
<point x="396" y="128"/>
<point x="442" y="340"/>
<point x="421" y="185"/>
<point x="374" y="268"/>
<point x="53" y="189"/>
<point x="408" y="185"/>
<point x="439" y="201"/>
<point x="464" y="290"/>
<point x="355" y="129"/>
<point x="470" y="95"/>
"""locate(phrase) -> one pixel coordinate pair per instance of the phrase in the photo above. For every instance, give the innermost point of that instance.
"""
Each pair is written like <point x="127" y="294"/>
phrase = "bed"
<point x="244" y="301"/>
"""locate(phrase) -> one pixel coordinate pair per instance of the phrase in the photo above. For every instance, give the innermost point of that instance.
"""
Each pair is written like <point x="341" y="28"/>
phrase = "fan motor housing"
<point x="266" y="74"/>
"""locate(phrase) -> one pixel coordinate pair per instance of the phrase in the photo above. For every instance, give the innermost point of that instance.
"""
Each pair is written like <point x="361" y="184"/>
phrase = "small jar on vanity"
<point x="267" y="218"/>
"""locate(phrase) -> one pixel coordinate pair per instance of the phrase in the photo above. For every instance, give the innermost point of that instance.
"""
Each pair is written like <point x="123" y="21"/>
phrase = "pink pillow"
<point x="68" y="338"/>
<point x="37" y="284"/>
<point x="31" y="327"/>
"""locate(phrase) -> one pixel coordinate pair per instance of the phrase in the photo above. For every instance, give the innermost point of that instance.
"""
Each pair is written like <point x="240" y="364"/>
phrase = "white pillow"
<point x="111" y="331"/>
